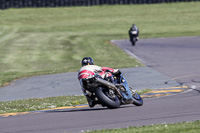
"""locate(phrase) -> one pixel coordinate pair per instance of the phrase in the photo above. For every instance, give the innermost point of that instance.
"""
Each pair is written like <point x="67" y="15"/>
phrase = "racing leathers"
<point x="87" y="71"/>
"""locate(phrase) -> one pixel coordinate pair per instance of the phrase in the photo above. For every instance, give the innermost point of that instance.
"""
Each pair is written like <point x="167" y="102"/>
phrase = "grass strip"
<point x="44" y="103"/>
<point x="40" y="103"/>
<point x="184" y="127"/>
<point x="37" y="41"/>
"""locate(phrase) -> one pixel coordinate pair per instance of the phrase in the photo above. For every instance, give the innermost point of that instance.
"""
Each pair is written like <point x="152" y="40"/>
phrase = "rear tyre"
<point x="109" y="100"/>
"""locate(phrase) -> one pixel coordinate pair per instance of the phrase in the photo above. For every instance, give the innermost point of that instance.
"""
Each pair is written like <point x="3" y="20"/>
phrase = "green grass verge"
<point x="40" y="103"/>
<point x="185" y="127"/>
<point x="45" y="103"/>
<point x="35" y="41"/>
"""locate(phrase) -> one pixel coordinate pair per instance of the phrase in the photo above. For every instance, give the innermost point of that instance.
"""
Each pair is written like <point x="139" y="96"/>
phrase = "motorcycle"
<point x="134" y="34"/>
<point x="112" y="91"/>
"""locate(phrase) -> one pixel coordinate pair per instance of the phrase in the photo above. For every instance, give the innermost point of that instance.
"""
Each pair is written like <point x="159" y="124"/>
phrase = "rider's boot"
<point x="137" y="38"/>
<point x="91" y="101"/>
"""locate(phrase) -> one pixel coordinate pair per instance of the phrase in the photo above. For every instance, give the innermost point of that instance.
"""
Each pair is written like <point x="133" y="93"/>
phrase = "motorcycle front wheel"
<point x="109" y="100"/>
<point x="137" y="100"/>
<point x="133" y="41"/>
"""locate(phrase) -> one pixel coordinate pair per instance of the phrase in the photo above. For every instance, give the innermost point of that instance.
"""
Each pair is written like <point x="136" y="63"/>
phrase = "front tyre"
<point x="137" y="100"/>
<point x="106" y="98"/>
<point x="133" y="41"/>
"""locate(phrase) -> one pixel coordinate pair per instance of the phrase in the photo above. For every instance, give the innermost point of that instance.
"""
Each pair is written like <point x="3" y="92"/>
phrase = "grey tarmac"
<point x="168" y="109"/>
<point x="176" y="57"/>
<point x="68" y="84"/>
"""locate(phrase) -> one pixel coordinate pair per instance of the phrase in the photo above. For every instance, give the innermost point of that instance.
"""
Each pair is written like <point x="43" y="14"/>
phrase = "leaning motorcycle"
<point x="112" y="91"/>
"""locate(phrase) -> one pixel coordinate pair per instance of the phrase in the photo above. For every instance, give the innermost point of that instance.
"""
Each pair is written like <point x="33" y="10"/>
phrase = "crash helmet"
<point x="87" y="61"/>
<point x="134" y="27"/>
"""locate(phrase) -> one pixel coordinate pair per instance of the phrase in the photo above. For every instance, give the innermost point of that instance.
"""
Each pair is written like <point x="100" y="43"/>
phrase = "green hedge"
<point x="4" y="4"/>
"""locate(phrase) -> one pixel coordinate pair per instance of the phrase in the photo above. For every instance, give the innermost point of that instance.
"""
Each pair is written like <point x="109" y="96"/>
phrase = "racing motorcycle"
<point x="112" y="91"/>
<point x="134" y="34"/>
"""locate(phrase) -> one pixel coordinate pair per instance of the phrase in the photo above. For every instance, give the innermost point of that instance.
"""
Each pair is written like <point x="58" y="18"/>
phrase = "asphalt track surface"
<point x="68" y="84"/>
<point x="178" y="58"/>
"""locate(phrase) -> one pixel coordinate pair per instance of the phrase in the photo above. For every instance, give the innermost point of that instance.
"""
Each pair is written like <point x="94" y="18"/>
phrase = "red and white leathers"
<point x="88" y="70"/>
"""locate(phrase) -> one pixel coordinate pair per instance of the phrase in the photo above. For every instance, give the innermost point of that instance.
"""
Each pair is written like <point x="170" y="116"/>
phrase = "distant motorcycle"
<point x="112" y="91"/>
<point x="134" y="34"/>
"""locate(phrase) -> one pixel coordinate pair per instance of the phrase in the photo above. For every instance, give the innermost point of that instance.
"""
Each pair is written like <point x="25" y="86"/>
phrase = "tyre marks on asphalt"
<point x="154" y="93"/>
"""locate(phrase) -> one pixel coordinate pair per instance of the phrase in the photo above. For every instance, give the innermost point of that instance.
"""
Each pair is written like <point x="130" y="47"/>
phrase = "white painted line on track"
<point x="136" y="57"/>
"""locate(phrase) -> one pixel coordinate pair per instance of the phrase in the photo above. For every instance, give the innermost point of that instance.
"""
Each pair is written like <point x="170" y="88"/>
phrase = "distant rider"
<point x="88" y="68"/>
<point x="131" y="35"/>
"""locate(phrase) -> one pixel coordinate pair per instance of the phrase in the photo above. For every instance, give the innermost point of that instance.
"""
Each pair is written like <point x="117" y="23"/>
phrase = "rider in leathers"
<point x="88" y="68"/>
<point x="131" y="35"/>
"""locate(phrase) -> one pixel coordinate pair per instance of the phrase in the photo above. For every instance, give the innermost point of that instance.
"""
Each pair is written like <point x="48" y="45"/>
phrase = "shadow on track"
<point x="85" y="109"/>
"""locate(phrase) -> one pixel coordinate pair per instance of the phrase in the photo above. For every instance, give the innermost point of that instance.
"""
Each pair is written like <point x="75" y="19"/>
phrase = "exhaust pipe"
<point x="109" y="85"/>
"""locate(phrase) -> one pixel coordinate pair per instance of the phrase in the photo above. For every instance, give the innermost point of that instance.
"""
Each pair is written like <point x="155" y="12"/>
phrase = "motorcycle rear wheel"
<point x="104" y="98"/>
